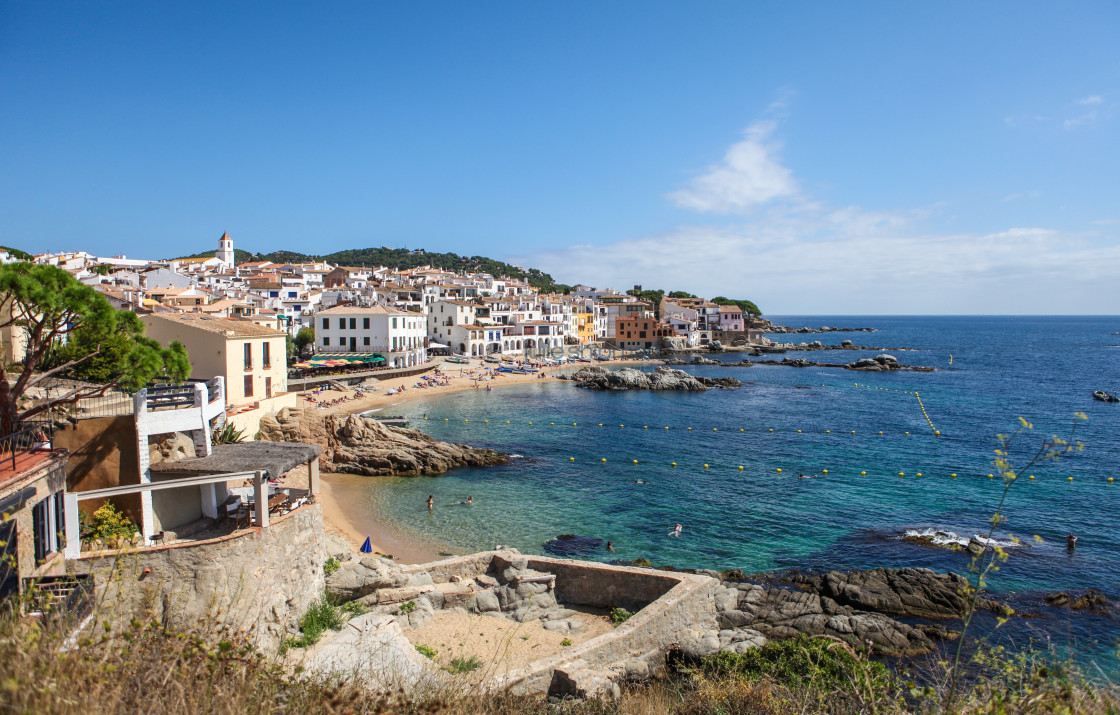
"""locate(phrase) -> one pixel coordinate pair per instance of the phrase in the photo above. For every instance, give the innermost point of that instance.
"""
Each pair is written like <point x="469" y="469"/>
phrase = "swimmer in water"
<point x="1071" y="542"/>
<point x="430" y="502"/>
<point x="610" y="547"/>
<point x="676" y="530"/>
<point x="470" y="500"/>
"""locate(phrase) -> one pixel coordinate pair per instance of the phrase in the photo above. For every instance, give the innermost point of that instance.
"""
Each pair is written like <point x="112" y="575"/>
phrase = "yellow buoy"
<point x="690" y="428"/>
<point x="666" y="427"/>
<point x="486" y="421"/>
<point x="715" y="429"/>
<point x="824" y="471"/>
<point x="552" y="423"/>
<point x="779" y="469"/>
<point x="863" y="474"/>
<point x="907" y="433"/>
<point x="530" y="423"/>
<point x="880" y="431"/>
<point x="798" y="431"/>
<point x="622" y="425"/>
<point x="645" y="426"/>
<point x="953" y="475"/>
<point x="771" y="429"/>
<point x="1069" y="479"/>
<point x="507" y="422"/>
<point x="603" y="459"/>
<point x="571" y="459"/>
<point x="740" y="466"/>
<point x="740" y="429"/>
<point x="828" y="431"/>
<point x="573" y="424"/>
<point x="464" y="420"/>
<point x="600" y="424"/>
<point x="902" y="474"/>
<point x="635" y="461"/>
<point x="1110" y="479"/>
<point x="444" y="419"/>
<point x="425" y="417"/>
<point x="989" y="476"/>
<point x="937" y="433"/>
<point x="919" y="474"/>
<point x="1031" y="477"/>
<point x="672" y="464"/>
<point x="705" y="466"/>
<point x="853" y="431"/>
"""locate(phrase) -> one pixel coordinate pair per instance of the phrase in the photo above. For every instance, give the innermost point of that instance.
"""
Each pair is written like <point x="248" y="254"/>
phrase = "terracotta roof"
<point x="238" y="327"/>
<point x="358" y="310"/>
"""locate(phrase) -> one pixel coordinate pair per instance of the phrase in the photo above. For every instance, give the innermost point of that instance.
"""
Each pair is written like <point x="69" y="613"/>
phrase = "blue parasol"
<point x="367" y="548"/>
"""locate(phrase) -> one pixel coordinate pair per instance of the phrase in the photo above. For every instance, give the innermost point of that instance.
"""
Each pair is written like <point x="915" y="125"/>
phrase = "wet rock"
<point x="663" y="378"/>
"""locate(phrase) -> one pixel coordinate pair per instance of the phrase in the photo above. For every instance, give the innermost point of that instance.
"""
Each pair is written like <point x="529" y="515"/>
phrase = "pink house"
<point x="731" y="318"/>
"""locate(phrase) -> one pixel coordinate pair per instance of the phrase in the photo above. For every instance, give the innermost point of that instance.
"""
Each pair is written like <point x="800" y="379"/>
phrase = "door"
<point x="353" y="344"/>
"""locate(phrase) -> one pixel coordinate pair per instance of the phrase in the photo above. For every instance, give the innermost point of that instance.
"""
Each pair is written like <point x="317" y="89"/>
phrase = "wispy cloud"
<point x="1087" y="111"/>
<point x="793" y="253"/>
<point x="749" y="175"/>
<point x="1091" y="99"/>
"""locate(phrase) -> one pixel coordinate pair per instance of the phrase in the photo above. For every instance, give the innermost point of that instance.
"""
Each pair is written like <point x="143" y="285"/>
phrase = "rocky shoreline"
<point x="361" y="445"/>
<point x="663" y="378"/>
<point x="880" y="363"/>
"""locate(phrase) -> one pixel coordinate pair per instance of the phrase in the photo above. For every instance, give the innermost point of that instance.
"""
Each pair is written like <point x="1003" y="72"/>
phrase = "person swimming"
<point x="431" y="499"/>
<point x="610" y="547"/>
<point x="676" y="530"/>
<point x="1071" y="542"/>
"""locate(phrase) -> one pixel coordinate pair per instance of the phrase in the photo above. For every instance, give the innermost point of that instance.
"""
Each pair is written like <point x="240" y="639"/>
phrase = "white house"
<point x="398" y="335"/>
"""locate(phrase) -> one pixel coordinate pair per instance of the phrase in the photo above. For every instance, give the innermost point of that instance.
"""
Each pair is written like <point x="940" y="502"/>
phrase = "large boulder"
<point x="356" y="579"/>
<point x="920" y="593"/>
<point x="663" y="378"/>
<point x="360" y="445"/>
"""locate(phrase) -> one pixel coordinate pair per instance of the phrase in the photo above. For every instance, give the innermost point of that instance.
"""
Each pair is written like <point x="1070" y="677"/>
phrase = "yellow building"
<point x="586" y="327"/>
<point x="252" y="358"/>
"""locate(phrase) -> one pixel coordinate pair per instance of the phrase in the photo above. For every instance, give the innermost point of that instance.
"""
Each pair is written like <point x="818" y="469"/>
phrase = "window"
<point x="268" y="387"/>
<point x="40" y="523"/>
<point x="326" y="323"/>
<point x="365" y="340"/>
<point x="248" y="385"/>
<point x="248" y="356"/>
<point x="326" y="341"/>
<point x="394" y="322"/>
<point x="353" y="323"/>
<point x="365" y="325"/>
<point x="342" y="323"/>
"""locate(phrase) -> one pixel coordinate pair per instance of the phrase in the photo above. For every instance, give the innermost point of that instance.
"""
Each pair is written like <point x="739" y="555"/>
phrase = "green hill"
<point x="403" y="258"/>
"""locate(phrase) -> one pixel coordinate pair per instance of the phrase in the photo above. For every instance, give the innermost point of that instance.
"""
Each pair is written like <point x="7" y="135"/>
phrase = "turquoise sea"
<point x="759" y="519"/>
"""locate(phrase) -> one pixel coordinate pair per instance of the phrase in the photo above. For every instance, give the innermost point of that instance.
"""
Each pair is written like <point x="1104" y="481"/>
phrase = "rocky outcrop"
<point x="879" y="363"/>
<point x="359" y="445"/>
<point x="1089" y="600"/>
<point x="920" y="593"/>
<point x="663" y="378"/>
<point x="357" y="578"/>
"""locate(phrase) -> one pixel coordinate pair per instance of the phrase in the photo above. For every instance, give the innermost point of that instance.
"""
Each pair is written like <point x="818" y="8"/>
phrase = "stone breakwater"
<point x="360" y="445"/>
<point x="663" y="378"/>
<point x="880" y="363"/>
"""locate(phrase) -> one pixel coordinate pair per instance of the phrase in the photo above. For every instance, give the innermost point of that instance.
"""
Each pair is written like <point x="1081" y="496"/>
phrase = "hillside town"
<point x="402" y="316"/>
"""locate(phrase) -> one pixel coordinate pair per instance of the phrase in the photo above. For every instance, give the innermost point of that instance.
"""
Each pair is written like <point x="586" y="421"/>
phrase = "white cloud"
<point x="1091" y="99"/>
<point x="793" y="254"/>
<point x="749" y="175"/>
<point x="1083" y="120"/>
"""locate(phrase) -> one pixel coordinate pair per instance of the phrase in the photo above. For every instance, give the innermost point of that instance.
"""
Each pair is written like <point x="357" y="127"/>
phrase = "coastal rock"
<point x="663" y="378"/>
<point x="360" y="445"/>
<point x="919" y="593"/>
<point x="1089" y="600"/>
<point x="358" y="578"/>
<point x="716" y="346"/>
<point x="674" y="343"/>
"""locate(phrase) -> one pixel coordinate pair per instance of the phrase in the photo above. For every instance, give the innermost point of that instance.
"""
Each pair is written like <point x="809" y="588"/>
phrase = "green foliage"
<point x="566" y="642"/>
<point x="352" y="608"/>
<point x="465" y="665"/>
<point x="427" y="651"/>
<point x="17" y="254"/>
<point x="102" y="344"/>
<point x="680" y="294"/>
<point x="229" y="434"/>
<point x="320" y="617"/>
<point x="641" y="562"/>
<point x="746" y="306"/>
<point x="331" y="565"/>
<point x="620" y="616"/>
<point x="653" y="296"/>
<point x="106" y="524"/>
<point x="407" y="607"/>
<point x="800" y="663"/>
<point x="239" y="255"/>
<point x="304" y="338"/>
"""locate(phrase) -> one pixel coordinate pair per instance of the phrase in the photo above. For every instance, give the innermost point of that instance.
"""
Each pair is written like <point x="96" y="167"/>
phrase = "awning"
<point x="432" y="344"/>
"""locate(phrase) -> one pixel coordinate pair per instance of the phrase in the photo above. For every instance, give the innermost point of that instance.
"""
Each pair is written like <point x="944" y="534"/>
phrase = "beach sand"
<point x="341" y="515"/>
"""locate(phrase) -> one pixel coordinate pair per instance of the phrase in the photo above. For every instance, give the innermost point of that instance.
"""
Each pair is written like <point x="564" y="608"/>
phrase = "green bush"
<point x="566" y="642"/>
<point x="620" y="616"/>
<point x="106" y="524"/>
<point x="320" y="617"/>
<point x="228" y="435"/>
<point x="407" y="607"/>
<point x="800" y="663"/>
<point x="427" y="651"/>
<point x="465" y="665"/>
<point x="332" y="564"/>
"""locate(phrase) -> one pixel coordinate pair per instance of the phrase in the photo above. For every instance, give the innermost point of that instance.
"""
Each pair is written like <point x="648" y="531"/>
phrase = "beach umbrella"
<point x="367" y="547"/>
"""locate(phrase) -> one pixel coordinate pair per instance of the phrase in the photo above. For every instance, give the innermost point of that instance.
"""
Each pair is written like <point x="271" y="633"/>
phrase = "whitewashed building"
<point x="400" y="336"/>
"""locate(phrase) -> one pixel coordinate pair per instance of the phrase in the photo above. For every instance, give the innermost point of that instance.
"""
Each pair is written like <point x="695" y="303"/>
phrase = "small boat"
<point x="1105" y="396"/>
<point x="395" y="420"/>
<point x="491" y="358"/>
<point x="459" y="360"/>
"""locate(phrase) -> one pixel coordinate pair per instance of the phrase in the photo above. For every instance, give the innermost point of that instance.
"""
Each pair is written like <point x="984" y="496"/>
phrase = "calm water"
<point x="758" y="518"/>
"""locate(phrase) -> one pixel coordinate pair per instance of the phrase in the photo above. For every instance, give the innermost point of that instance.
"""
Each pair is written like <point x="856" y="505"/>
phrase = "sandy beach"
<point x="340" y="516"/>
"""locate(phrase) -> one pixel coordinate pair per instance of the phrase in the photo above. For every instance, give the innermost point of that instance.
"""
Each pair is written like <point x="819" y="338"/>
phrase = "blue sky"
<point x="817" y="158"/>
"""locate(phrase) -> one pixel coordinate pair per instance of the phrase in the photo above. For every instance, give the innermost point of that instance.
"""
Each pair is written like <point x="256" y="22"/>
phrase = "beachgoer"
<point x="470" y="500"/>
<point x="1071" y="542"/>
<point x="676" y="530"/>
<point x="802" y="476"/>
<point x="430" y="500"/>
<point x="610" y="547"/>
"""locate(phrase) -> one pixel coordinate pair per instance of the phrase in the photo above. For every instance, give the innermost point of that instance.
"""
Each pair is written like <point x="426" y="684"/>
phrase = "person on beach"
<point x="430" y="501"/>
<point x="676" y="531"/>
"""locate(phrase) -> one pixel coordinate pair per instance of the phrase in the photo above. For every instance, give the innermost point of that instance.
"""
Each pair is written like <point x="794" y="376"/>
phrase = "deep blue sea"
<point x="805" y="421"/>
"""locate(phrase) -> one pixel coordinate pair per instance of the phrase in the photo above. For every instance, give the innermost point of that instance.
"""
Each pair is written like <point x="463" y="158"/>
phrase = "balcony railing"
<point x="17" y="445"/>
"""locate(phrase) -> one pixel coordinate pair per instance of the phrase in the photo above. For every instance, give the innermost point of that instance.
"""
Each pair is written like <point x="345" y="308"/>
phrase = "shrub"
<point x="427" y="651"/>
<point x="464" y="665"/>
<point x="800" y="663"/>
<point x="620" y="616"/>
<point x="566" y="642"/>
<point x="229" y="435"/>
<point x="407" y="607"/>
<point x="332" y="564"/>
<point x="320" y="617"/>
<point x="106" y="524"/>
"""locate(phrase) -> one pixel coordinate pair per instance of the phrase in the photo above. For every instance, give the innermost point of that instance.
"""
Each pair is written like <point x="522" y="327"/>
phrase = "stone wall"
<point x="261" y="580"/>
